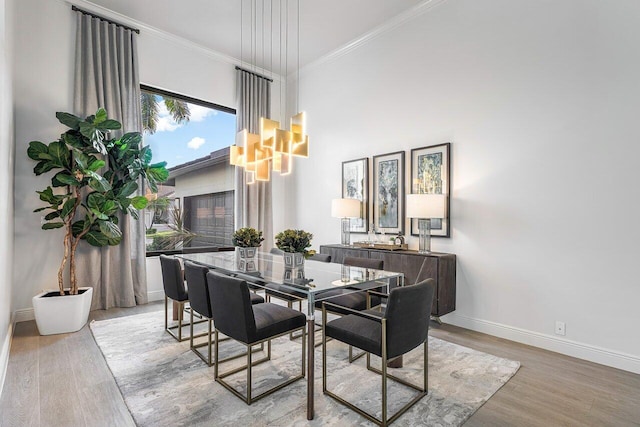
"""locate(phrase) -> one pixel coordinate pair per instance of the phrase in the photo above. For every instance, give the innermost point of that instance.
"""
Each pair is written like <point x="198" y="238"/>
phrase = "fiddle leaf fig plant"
<point x="96" y="180"/>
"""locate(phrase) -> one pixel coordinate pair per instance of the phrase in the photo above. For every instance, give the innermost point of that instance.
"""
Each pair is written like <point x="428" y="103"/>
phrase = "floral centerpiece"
<point x="294" y="244"/>
<point x="247" y="240"/>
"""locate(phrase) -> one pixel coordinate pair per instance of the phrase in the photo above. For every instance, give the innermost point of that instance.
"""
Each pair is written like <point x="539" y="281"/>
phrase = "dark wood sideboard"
<point x="415" y="266"/>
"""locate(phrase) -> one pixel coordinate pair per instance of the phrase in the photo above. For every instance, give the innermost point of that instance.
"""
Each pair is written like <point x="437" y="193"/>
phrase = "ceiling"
<point x="325" y="25"/>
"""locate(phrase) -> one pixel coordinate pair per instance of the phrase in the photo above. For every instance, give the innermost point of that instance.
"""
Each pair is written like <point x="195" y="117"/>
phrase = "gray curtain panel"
<point x="106" y="75"/>
<point x="253" y="206"/>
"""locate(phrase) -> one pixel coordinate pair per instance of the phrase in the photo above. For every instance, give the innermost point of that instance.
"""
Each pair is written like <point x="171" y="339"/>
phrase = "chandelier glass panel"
<point x="273" y="149"/>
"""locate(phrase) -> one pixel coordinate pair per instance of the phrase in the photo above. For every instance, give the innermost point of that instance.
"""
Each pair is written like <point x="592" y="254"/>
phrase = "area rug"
<point x="165" y="384"/>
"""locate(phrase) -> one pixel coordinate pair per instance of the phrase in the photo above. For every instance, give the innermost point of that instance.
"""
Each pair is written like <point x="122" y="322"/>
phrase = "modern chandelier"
<point x="274" y="148"/>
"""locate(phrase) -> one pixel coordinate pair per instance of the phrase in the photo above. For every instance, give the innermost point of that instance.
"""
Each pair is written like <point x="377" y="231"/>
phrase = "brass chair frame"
<point x="249" y="399"/>
<point x="423" y="391"/>
<point x="182" y="308"/>
<point x="209" y="344"/>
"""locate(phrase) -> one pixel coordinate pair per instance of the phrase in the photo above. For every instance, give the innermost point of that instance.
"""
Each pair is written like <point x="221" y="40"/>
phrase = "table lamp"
<point x="345" y="209"/>
<point x="424" y="207"/>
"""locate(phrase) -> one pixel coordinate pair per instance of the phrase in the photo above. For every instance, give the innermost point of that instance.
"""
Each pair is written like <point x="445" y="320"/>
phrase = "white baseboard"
<point x="4" y="353"/>
<point x="24" y="315"/>
<point x="579" y="350"/>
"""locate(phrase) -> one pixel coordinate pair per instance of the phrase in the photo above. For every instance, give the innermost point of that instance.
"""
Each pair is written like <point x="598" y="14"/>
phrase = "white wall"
<point x="45" y="34"/>
<point x="540" y="102"/>
<point x="6" y="183"/>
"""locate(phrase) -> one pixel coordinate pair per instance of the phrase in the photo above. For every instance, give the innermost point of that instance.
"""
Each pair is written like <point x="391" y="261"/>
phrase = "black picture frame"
<point x="425" y="164"/>
<point x="389" y="192"/>
<point x="355" y="185"/>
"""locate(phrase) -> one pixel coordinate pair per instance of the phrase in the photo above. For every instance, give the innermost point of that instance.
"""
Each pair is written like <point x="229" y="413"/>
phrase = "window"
<point x="194" y="207"/>
<point x="210" y="218"/>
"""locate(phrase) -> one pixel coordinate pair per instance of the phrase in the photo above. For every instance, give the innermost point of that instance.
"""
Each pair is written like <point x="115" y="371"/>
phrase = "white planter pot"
<point x="62" y="314"/>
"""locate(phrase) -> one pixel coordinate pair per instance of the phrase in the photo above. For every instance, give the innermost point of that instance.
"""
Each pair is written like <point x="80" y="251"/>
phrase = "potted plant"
<point x="247" y="240"/>
<point x="294" y="244"/>
<point x="96" y="179"/>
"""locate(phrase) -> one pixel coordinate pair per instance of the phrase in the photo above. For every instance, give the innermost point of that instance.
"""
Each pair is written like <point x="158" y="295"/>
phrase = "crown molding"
<point x="181" y="41"/>
<point x="390" y="25"/>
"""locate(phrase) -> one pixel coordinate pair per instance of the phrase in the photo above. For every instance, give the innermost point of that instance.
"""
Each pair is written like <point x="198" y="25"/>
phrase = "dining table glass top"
<point x="318" y="276"/>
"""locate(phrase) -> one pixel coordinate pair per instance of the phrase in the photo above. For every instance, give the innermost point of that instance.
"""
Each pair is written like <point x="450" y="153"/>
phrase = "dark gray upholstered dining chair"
<point x="320" y="257"/>
<point x="174" y="289"/>
<point x="200" y="302"/>
<point x="344" y="300"/>
<point x="403" y="326"/>
<point x="248" y="324"/>
<point x="347" y="297"/>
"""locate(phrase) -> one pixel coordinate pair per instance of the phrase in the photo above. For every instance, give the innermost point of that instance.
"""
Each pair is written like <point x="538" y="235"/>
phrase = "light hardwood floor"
<point x="63" y="380"/>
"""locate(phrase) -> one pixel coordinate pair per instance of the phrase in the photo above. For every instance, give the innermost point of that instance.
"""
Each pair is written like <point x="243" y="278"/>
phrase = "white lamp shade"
<point x="426" y="205"/>
<point x="345" y="208"/>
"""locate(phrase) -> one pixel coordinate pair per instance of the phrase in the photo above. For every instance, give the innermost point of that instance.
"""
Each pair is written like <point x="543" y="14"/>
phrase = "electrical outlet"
<point x="560" y="328"/>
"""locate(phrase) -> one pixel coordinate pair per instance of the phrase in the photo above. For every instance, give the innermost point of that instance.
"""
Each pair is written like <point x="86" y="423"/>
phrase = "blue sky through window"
<point x="208" y="130"/>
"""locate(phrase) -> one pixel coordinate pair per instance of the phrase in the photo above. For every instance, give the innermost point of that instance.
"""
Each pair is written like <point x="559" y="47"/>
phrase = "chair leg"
<point x="209" y="338"/>
<point x="425" y="362"/>
<point x="249" y="398"/>
<point x="191" y="329"/>
<point x="181" y="305"/>
<point x="324" y="350"/>
<point x="169" y="329"/>
<point x="384" y="421"/>
<point x="249" y="373"/>
<point x="215" y="353"/>
<point x="290" y="305"/>
<point x="384" y="373"/>
<point x="353" y="359"/>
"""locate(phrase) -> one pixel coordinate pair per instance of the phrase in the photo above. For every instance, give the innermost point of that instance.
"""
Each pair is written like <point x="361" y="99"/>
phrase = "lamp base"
<point x="345" y="235"/>
<point x="424" y="236"/>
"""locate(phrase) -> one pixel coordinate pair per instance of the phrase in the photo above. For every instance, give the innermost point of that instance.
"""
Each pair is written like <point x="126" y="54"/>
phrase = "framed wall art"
<point x="430" y="174"/>
<point x="388" y="192"/>
<point x="355" y="185"/>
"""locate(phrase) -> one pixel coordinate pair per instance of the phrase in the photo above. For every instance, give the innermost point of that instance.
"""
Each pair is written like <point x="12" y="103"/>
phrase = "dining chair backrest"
<point x="172" y="279"/>
<point x="376" y="264"/>
<point x="196" y="276"/>
<point x="408" y="313"/>
<point x="231" y="306"/>
<point x="320" y="257"/>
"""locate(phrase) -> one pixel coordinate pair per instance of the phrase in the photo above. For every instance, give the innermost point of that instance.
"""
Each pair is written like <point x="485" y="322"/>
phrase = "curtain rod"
<point x="77" y="9"/>
<point x="255" y="74"/>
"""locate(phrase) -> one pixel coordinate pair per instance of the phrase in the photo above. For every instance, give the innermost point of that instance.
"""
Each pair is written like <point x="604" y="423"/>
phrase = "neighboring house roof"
<point x="214" y="158"/>
<point x="166" y="190"/>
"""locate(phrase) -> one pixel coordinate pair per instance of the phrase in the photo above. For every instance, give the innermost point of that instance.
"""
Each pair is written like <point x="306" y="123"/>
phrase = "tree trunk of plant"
<point x="67" y="239"/>
<point x="72" y="268"/>
<point x="73" y="288"/>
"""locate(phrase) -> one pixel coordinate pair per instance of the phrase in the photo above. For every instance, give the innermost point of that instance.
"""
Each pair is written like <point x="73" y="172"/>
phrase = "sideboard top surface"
<point x="403" y="252"/>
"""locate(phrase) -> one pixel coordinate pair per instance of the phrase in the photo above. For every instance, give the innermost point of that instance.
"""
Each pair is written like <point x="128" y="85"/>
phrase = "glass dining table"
<point x="319" y="277"/>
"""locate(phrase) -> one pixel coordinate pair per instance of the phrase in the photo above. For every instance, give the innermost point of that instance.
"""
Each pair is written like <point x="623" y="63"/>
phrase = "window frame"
<point x="162" y="92"/>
